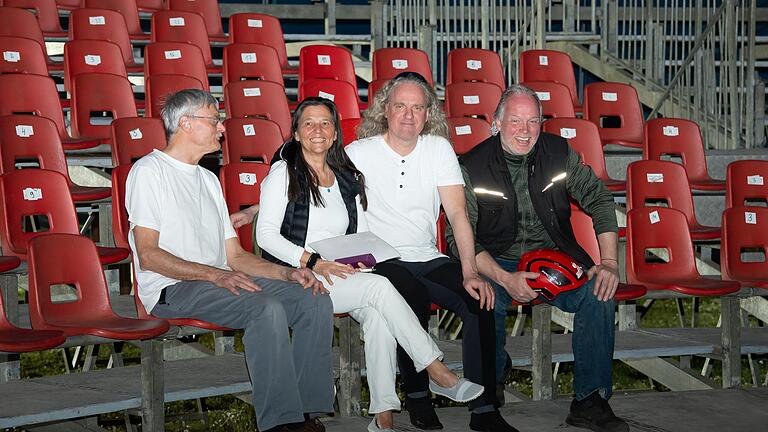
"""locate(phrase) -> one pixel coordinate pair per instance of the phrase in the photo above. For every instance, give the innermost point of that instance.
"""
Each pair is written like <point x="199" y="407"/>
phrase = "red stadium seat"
<point x="31" y="192"/>
<point x="72" y="259"/>
<point x="467" y="132"/>
<point x="548" y="65"/>
<point x="261" y="29"/>
<point x="209" y="10"/>
<point x="187" y="27"/>
<point x="175" y="58"/>
<point x="47" y="15"/>
<point x="25" y="94"/>
<point x="341" y="93"/>
<point x="583" y="137"/>
<point x="91" y="56"/>
<point x="472" y="99"/>
<point x="389" y="62"/>
<point x="247" y="139"/>
<point x="665" y="182"/>
<point x="158" y="87"/>
<point x="120" y="224"/>
<point x="587" y="239"/>
<point x="27" y="138"/>
<point x="604" y="102"/>
<point x="151" y="5"/>
<point x="103" y="25"/>
<point x="16" y="339"/>
<point x="22" y="23"/>
<point x="475" y="64"/>
<point x="7" y="263"/>
<point x="680" y="138"/>
<point x="746" y="182"/>
<point x="349" y="129"/>
<point x="241" y="183"/>
<point x="100" y="93"/>
<point x="374" y="87"/>
<point x="745" y="229"/>
<point x="259" y="99"/>
<point x="22" y="55"/>
<point x="69" y="4"/>
<point x="251" y="62"/>
<point x="326" y="62"/>
<point x="126" y="8"/>
<point x="134" y="137"/>
<point x="555" y="99"/>
<point x="664" y="228"/>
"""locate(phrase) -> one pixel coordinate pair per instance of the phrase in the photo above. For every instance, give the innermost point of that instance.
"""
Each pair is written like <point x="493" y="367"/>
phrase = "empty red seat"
<point x="241" y="184"/>
<point x="126" y="8"/>
<point x="134" y="137"/>
<point x="259" y="99"/>
<point x="85" y="56"/>
<point x="175" y="58"/>
<point x="467" y="132"/>
<point x="745" y="230"/>
<point x="387" y="63"/>
<point x="341" y="93"/>
<point x="22" y="23"/>
<point x="615" y="109"/>
<point x="326" y="62"/>
<point x="120" y="224"/>
<point x="71" y="259"/>
<point x="680" y="138"/>
<point x="374" y="87"/>
<point x="472" y="99"/>
<point x="103" y="25"/>
<point x="746" y="183"/>
<point x="244" y="61"/>
<point x="69" y="4"/>
<point x="554" y="97"/>
<point x="151" y="5"/>
<point x="261" y="29"/>
<point x="22" y="55"/>
<point x="33" y="139"/>
<point x="475" y="64"/>
<point x="158" y="87"/>
<point x="248" y="139"/>
<point x="665" y="183"/>
<point x="660" y="254"/>
<point x="549" y="65"/>
<point x="16" y="339"/>
<point x="100" y="93"/>
<point x="8" y="263"/>
<point x="47" y="14"/>
<point x="209" y="10"/>
<point x="187" y="27"/>
<point x="349" y="129"/>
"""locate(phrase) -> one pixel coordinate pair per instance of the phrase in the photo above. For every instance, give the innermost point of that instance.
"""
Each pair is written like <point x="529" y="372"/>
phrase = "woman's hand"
<point x="244" y="216"/>
<point x="328" y="268"/>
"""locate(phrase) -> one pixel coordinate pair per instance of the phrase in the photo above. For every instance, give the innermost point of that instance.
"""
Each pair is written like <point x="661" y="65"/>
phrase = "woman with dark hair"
<point x="314" y="192"/>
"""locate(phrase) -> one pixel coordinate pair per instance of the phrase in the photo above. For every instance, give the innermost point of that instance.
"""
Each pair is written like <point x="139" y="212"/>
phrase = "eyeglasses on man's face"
<point x="213" y="120"/>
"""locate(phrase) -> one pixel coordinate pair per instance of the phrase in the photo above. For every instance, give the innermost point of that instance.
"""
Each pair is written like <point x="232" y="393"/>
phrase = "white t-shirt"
<point x="403" y="201"/>
<point x="184" y="203"/>
<point x="324" y="222"/>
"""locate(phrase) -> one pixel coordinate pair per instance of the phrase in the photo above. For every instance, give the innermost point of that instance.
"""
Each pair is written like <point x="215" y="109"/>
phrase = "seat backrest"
<point x="744" y="230"/>
<point x="35" y="94"/>
<point x="32" y="192"/>
<point x="555" y="99"/>
<point x="259" y="99"/>
<point x="120" y="224"/>
<point x="680" y="138"/>
<point x="341" y="93"/>
<point x="584" y="230"/>
<point x="660" y="181"/>
<point x="654" y="229"/>
<point x="251" y="62"/>
<point x="605" y="100"/>
<point x="389" y="62"/>
<point x="46" y="11"/>
<point x="178" y="26"/>
<point x="102" y="25"/>
<point x="475" y="64"/>
<point x="151" y="5"/>
<point x="22" y="55"/>
<point x="746" y="180"/>
<point x="261" y="29"/>
<point x="69" y="4"/>
<point x="20" y="23"/>
<point x="175" y="58"/>
<point x="158" y="87"/>
<point x="469" y="99"/>
<point x="241" y="184"/>
<point x="349" y="129"/>
<point x="134" y="137"/>
<point x="99" y="92"/>
<point x="467" y="132"/>
<point x="91" y="56"/>
<point x="374" y="87"/>
<point x="326" y="62"/>
<point x="583" y="137"/>
<point x="126" y="8"/>
<point x="71" y="259"/>
<point x="549" y="65"/>
<point x="28" y="138"/>
<point x="251" y="138"/>
<point x="208" y="9"/>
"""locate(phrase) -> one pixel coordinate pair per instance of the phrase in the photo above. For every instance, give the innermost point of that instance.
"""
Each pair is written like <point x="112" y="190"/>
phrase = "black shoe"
<point x="594" y="413"/>
<point x="490" y="422"/>
<point x="422" y="413"/>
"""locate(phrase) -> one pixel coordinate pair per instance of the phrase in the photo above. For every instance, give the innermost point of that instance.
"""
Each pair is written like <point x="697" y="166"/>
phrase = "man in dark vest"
<point x="518" y="185"/>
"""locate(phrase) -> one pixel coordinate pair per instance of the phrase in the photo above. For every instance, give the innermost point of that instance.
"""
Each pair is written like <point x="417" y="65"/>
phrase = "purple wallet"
<point x="367" y="259"/>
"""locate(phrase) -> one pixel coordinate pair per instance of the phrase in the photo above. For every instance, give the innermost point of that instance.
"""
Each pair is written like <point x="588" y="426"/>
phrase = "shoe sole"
<point x="433" y="390"/>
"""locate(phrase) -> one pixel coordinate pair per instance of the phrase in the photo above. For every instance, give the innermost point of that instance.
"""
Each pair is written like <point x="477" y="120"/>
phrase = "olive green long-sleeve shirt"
<point x="581" y="184"/>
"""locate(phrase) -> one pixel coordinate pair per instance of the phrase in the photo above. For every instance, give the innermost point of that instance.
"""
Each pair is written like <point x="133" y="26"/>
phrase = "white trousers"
<point x="386" y="320"/>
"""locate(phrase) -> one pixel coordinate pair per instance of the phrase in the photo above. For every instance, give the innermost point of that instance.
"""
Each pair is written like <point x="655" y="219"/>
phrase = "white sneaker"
<point x="463" y="391"/>
<point x="373" y="427"/>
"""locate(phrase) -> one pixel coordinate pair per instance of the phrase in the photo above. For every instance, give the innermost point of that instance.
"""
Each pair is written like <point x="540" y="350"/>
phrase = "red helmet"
<point x="557" y="272"/>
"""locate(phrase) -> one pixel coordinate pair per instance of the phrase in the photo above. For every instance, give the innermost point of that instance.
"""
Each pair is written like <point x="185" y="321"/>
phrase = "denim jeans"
<point x="593" y="335"/>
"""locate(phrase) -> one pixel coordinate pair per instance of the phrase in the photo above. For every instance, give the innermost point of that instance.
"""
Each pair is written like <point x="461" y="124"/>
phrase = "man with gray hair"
<point x="518" y="186"/>
<point x="189" y="264"/>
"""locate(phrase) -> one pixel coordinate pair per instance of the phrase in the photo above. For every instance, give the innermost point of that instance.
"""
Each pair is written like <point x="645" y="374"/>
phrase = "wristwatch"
<point x="313" y="260"/>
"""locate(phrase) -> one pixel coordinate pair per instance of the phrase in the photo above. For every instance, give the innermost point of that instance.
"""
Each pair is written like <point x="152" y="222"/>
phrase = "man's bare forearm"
<point x="162" y="262"/>
<point x="252" y="265"/>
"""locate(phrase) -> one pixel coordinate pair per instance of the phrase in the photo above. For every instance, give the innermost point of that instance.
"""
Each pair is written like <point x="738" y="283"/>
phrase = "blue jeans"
<point x="593" y="335"/>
